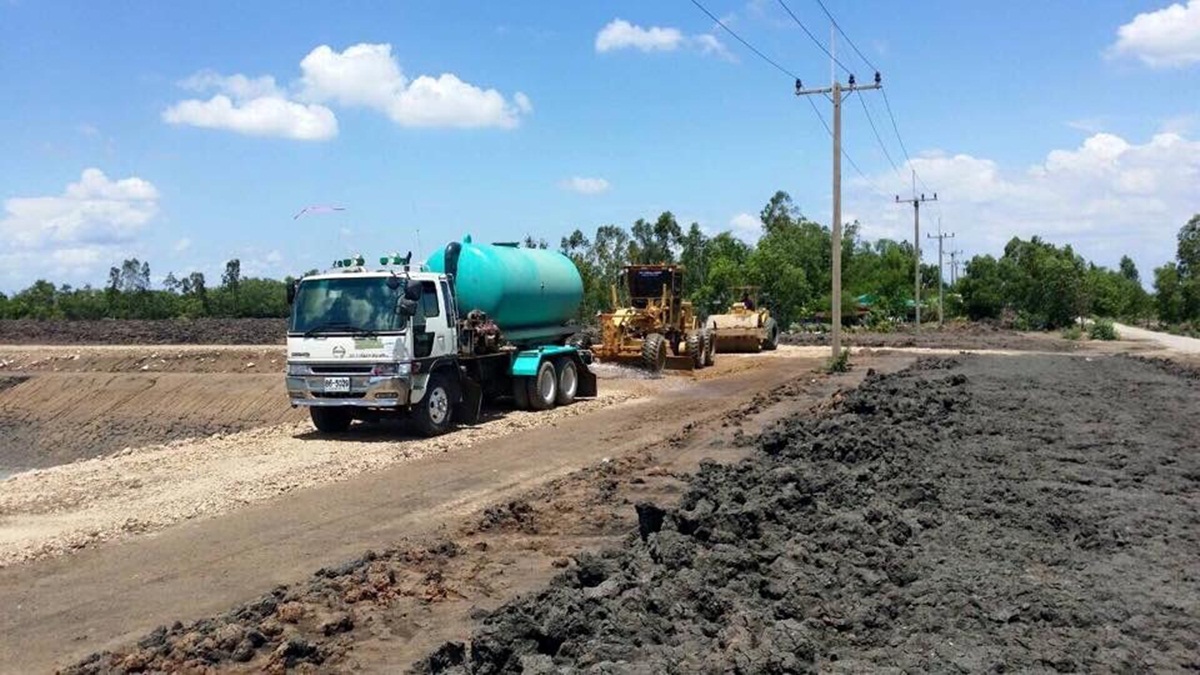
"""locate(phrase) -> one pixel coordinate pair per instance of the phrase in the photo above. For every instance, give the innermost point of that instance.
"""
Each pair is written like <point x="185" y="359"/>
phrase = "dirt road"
<point x="1178" y="343"/>
<point x="104" y="596"/>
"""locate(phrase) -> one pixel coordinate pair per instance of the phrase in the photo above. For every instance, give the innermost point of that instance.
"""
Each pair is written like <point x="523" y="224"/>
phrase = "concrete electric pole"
<point x="954" y="266"/>
<point x="835" y="93"/>
<point x="916" y="202"/>
<point x="940" y="236"/>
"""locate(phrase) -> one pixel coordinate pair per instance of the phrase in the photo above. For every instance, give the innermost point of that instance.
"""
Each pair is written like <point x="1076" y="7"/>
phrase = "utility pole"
<point x="941" y="285"/>
<point x="834" y="93"/>
<point x="954" y="266"/>
<point x="916" y="202"/>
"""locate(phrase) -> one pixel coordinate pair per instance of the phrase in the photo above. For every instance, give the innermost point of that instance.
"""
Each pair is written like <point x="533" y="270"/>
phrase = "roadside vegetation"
<point x="1033" y="285"/>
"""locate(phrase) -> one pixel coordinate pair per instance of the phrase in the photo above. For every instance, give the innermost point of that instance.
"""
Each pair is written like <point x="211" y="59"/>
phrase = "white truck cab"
<point x="371" y="340"/>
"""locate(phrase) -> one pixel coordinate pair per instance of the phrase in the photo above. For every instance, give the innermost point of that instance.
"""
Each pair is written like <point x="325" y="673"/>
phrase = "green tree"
<point x="1168" y="293"/>
<point x="982" y="288"/>
<point x="1129" y="270"/>
<point x="1188" y="251"/>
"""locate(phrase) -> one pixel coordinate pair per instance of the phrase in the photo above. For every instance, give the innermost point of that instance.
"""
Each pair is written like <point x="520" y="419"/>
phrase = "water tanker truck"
<point x="432" y="341"/>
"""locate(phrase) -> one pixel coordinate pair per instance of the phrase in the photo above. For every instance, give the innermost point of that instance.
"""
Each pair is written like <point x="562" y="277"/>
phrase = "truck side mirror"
<point x="393" y="282"/>
<point x="406" y="307"/>
<point x="412" y="292"/>
<point x="291" y="293"/>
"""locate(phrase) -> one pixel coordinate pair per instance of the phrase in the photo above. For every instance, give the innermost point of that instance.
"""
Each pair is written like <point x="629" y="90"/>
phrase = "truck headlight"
<point x="390" y="369"/>
<point x="297" y="369"/>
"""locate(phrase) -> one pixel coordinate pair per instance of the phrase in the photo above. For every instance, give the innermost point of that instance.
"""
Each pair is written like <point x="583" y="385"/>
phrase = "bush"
<point x="1072" y="333"/>
<point x="840" y="364"/>
<point x="1102" y="329"/>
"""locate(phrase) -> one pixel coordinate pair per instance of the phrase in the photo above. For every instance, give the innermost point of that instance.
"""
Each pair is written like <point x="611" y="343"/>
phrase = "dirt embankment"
<point x="137" y="332"/>
<point x="977" y="514"/>
<point x="954" y="335"/>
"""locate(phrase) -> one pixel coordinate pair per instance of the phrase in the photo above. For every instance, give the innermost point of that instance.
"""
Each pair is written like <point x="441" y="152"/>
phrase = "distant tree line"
<point x="131" y="294"/>
<point x="1044" y="286"/>
<point x="1034" y="283"/>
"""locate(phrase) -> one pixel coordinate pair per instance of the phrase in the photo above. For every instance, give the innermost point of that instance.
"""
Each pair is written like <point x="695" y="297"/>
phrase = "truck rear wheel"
<point x="434" y="415"/>
<point x="543" y="387"/>
<point x="654" y="353"/>
<point x="330" y="420"/>
<point x="568" y="381"/>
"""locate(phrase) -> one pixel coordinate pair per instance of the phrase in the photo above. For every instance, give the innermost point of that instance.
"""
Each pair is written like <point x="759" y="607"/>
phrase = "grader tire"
<point x="654" y="353"/>
<point x="695" y="349"/>
<point x="710" y="348"/>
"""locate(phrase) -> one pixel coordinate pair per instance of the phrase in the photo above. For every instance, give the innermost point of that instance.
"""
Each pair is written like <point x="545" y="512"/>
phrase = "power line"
<point x="878" y="138"/>
<point x="749" y="46"/>
<point x="811" y="36"/>
<point x="845" y="154"/>
<point x="792" y="75"/>
<point x="847" y="37"/>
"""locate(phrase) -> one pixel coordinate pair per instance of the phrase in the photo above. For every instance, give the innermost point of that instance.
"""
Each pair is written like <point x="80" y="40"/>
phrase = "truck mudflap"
<point x="526" y="365"/>
<point x="468" y="409"/>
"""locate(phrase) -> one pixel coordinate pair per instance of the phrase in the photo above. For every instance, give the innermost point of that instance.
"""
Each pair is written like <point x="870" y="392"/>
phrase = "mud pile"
<point x="959" y="515"/>
<point x="954" y="335"/>
<point x="144" y="332"/>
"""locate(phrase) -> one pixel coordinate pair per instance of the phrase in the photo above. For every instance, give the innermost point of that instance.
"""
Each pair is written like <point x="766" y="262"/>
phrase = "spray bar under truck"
<point x="433" y="341"/>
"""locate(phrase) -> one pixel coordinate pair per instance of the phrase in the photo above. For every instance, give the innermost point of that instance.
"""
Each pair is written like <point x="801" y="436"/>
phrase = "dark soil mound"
<point x="970" y="515"/>
<point x="954" y="335"/>
<point x="136" y="332"/>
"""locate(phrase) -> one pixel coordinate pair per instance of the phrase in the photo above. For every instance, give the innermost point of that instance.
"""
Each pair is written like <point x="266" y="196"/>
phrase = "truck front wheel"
<point x="434" y="415"/>
<point x="330" y="420"/>
<point x="543" y="387"/>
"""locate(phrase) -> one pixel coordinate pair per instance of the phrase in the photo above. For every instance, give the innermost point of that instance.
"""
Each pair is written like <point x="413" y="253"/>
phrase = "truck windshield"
<point x="347" y="305"/>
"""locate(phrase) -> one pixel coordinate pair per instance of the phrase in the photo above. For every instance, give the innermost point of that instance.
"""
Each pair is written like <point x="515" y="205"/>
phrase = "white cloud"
<point x="585" y="186"/>
<point x="362" y="76"/>
<point x="621" y="34"/>
<point x="367" y="75"/>
<point x="251" y="106"/>
<point x="93" y="221"/>
<point x="746" y="225"/>
<point x="182" y="245"/>
<point x="1108" y="196"/>
<point x="1169" y="37"/>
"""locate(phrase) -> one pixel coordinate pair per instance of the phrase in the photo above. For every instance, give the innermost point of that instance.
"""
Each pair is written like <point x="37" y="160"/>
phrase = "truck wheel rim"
<point x="439" y="404"/>
<point x="567" y="381"/>
<point x="546" y="385"/>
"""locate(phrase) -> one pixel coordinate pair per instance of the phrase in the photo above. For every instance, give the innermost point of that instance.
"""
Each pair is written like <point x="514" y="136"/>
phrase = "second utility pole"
<point x="916" y="202"/>
<point x="835" y="92"/>
<point x="941" y="285"/>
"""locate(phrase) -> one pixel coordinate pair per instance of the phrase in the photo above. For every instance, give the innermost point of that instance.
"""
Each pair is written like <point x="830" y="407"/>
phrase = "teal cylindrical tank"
<point x="519" y="288"/>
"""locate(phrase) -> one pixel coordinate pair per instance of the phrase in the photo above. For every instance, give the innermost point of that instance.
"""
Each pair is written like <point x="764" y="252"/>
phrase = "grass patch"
<point x="1072" y="333"/>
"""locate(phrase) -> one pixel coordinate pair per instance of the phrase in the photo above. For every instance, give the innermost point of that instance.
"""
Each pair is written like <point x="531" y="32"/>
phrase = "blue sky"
<point x="150" y="129"/>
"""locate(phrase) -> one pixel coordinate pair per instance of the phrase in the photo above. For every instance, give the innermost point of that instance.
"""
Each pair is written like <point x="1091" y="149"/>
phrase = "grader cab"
<point x="746" y="327"/>
<point x="658" y="328"/>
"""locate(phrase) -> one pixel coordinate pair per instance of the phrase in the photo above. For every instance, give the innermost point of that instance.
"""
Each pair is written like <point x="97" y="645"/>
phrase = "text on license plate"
<point x="337" y="384"/>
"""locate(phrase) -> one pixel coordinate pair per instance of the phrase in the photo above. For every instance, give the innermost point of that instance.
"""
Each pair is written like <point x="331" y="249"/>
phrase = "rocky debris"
<point x="954" y="335"/>
<point x="927" y="523"/>
<point x="290" y="626"/>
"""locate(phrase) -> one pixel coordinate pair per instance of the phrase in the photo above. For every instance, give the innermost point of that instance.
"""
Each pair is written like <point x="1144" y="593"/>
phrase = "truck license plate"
<point x="336" y="385"/>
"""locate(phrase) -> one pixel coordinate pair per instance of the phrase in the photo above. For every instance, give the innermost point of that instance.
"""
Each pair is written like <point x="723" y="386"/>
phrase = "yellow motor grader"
<point x="658" y="328"/>
<point x="746" y="327"/>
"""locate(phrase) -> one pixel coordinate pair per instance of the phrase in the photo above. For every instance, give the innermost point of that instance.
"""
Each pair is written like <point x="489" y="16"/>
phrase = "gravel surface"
<point x="971" y="514"/>
<point x="51" y="511"/>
